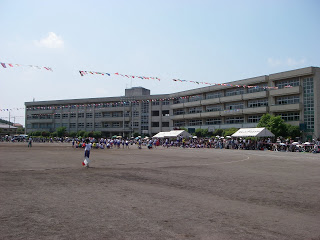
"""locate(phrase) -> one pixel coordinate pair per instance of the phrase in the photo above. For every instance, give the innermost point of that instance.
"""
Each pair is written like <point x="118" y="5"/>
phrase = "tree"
<point x="72" y="134"/>
<point x="229" y="131"/>
<point x="217" y="132"/>
<point x="81" y="133"/>
<point x="264" y="121"/>
<point x="61" y="131"/>
<point x="201" y="132"/>
<point x="97" y="134"/>
<point x="273" y="123"/>
<point x="293" y="131"/>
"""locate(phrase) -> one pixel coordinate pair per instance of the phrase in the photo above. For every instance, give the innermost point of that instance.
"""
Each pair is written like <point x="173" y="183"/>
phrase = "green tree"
<point x="229" y="131"/>
<point x="273" y="123"/>
<point x="97" y="134"/>
<point x="264" y="121"/>
<point x="81" y="133"/>
<point x="293" y="131"/>
<point x="61" y="131"/>
<point x="45" y="134"/>
<point x="72" y="134"/>
<point x="218" y="132"/>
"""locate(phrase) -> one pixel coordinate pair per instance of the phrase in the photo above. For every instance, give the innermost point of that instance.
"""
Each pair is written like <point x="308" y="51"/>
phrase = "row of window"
<point x="293" y="116"/>
<point x="293" y="82"/>
<point x="294" y="99"/>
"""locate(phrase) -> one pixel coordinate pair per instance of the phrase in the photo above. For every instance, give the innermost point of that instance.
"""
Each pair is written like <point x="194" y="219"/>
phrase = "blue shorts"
<point x="86" y="153"/>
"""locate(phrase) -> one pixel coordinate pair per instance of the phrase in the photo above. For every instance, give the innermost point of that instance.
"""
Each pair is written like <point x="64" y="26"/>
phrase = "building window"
<point x="232" y="120"/>
<point x="57" y="116"/>
<point x="117" y="114"/>
<point x="81" y="125"/>
<point x="197" y="122"/>
<point x="257" y="88"/>
<point x="254" y="118"/>
<point x="214" y="108"/>
<point x="165" y="102"/>
<point x="180" y="100"/>
<point x="98" y="124"/>
<point x="179" y="123"/>
<point x="235" y="91"/>
<point x="195" y="98"/>
<point x="195" y="110"/>
<point x="145" y="107"/>
<point x="135" y="124"/>
<point x="165" y="124"/>
<point x="106" y="124"/>
<point x="233" y="106"/>
<point x="144" y="128"/>
<point x="155" y="102"/>
<point x="288" y="100"/>
<point x="308" y="103"/>
<point x="257" y="103"/>
<point x="88" y="115"/>
<point x="89" y="125"/>
<point x="178" y="112"/>
<point x="293" y="82"/>
<point x="73" y="115"/>
<point x="106" y="114"/>
<point x="213" y="121"/>
<point x="165" y="113"/>
<point x="290" y="116"/>
<point x="155" y="124"/>
<point x="98" y="115"/>
<point x="115" y="124"/>
<point x="212" y="95"/>
<point x="135" y="113"/>
<point x="80" y="115"/>
<point x="72" y="125"/>
<point x="65" y="115"/>
<point x="155" y="113"/>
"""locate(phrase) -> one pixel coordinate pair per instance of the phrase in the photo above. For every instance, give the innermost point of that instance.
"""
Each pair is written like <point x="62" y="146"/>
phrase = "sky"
<point x="195" y="40"/>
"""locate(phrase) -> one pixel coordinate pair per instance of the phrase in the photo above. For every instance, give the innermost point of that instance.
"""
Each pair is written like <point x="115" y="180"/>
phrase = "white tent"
<point x="253" y="132"/>
<point x="173" y="134"/>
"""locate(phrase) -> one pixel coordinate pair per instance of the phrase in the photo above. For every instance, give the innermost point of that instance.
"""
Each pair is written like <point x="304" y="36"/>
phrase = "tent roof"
<point x="171" y="134"/>
<point x="253" y="132"/>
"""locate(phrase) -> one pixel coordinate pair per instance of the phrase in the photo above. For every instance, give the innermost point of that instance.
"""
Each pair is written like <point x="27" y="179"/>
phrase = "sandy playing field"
<point x="45" y="193"/>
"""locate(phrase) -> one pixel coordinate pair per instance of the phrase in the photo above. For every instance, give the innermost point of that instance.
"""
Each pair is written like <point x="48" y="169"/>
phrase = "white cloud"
<point x="290" y="62"/>
<point x="51" y="41"/>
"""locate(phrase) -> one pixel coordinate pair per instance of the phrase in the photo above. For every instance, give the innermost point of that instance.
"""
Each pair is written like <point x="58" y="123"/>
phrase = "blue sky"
<point x="207" y="41"/>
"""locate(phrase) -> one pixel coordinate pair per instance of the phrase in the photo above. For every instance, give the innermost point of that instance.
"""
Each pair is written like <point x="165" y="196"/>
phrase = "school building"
<point x="294" y="95"/>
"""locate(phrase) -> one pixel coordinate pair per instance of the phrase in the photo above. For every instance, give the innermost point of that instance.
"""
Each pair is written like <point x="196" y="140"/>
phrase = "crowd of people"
<point x="194" y="142"/>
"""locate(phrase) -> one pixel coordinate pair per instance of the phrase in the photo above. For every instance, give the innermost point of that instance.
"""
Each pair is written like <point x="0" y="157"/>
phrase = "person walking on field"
<point x="30" y="142"/>
<point x="87" y="149"/>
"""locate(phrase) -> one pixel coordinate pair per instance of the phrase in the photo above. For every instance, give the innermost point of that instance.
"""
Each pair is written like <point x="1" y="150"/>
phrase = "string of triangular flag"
<point x="82" y="73"/>
<point x="10" y="65"/>
<point x="227" y="84"/>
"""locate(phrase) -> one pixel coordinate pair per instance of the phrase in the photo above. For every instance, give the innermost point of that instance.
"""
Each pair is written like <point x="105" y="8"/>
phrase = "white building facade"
<point x="294" y="95"/>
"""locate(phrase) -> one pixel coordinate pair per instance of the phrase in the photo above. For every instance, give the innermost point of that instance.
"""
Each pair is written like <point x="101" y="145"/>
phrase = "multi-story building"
<point x="294" y="95"/>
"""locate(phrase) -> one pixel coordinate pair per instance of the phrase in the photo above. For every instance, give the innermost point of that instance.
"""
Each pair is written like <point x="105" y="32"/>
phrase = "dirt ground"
<point x="45" y="193"/>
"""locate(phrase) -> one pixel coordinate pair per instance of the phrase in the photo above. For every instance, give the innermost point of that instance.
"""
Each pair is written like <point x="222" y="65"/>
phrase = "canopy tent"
<point x="173" y="134"/>
<point x="253" y="132"/>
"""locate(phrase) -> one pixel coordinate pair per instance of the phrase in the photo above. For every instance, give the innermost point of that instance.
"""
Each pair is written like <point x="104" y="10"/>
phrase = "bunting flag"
<point x="228" y="85"/>
<point x="11" y="109"/>
<point x="82" y="73"/>
<point x="4" y="65"/>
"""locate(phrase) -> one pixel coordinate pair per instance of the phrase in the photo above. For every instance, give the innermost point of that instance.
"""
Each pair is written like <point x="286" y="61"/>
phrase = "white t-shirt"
<point x="88" y="147"/>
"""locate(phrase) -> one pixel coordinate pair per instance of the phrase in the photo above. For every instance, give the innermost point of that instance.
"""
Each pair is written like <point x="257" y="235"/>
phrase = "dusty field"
<point x="45" y="193"/>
